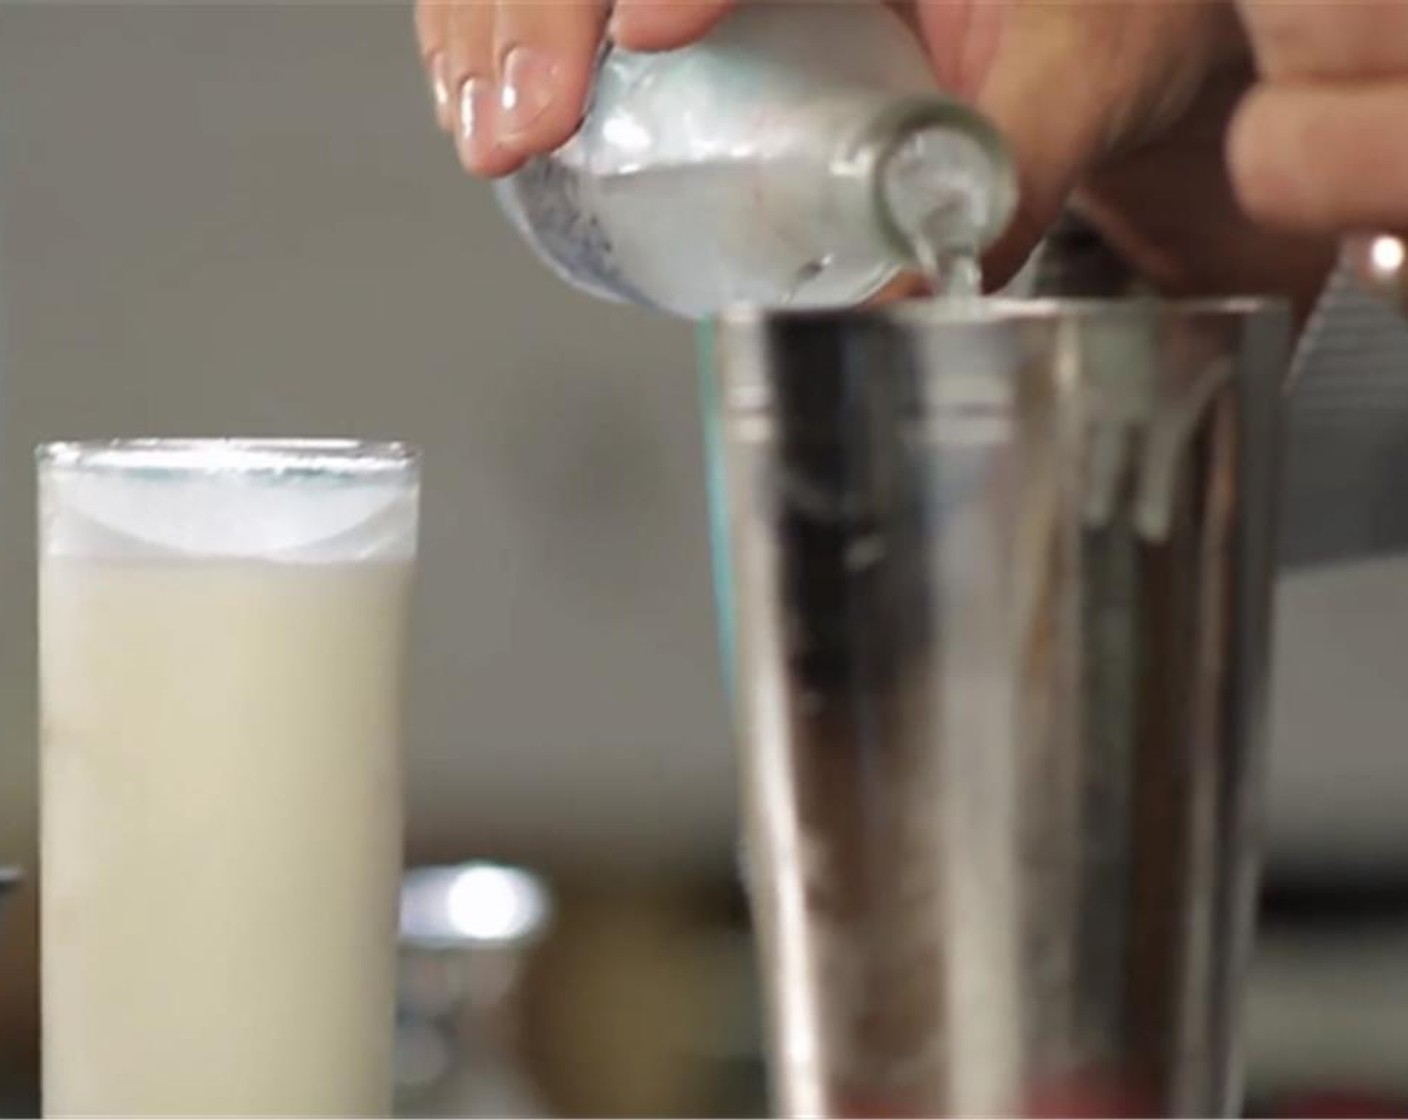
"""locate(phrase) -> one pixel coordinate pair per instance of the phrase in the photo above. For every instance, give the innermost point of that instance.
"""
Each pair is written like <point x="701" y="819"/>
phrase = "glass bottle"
<point x="797" y="156"/>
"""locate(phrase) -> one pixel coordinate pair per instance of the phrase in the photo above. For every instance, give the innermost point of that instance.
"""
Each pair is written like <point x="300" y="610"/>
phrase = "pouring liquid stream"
<point x="939" y="193"/>
<point x="952" y="270"/>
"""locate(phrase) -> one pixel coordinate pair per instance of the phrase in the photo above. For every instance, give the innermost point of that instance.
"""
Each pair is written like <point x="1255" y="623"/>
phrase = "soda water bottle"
<point x="800" y="155"/>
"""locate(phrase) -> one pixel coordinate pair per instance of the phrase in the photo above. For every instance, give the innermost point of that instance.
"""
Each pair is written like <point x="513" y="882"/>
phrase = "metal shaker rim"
<point x="969" y="347"/>
<point x="922" y="312"/>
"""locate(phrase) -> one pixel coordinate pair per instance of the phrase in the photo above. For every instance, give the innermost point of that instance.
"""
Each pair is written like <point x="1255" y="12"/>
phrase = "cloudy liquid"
<point x="221" y="835"/>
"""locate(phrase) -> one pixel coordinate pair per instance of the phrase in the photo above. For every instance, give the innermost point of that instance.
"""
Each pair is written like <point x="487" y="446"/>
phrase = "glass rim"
<point x="221" y="455"/>
<point x="1006" y="309"/>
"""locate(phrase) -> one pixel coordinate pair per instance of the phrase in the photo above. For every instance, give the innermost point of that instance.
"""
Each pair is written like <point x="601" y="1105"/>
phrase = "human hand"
<point x="510" y="79"/>
<point x="1121" y="106"/>
<point x="1121" y="110"/>
<point x="1320" y="144"/>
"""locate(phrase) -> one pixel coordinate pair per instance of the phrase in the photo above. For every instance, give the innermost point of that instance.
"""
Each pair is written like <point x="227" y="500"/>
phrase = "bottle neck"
<point x="943" y="182"/>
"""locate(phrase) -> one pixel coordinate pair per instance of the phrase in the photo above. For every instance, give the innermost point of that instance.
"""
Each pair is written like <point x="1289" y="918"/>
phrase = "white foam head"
<point x="290" y="501"/>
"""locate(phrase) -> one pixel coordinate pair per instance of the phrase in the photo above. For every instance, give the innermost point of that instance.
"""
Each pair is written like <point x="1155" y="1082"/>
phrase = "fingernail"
<point x="476" y="101"/>
<point x="529" y="82"/>
<point x="440" y="89"/>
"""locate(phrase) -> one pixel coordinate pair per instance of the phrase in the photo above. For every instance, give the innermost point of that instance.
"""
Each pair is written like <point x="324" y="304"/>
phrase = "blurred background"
<point x="239" y="219"/>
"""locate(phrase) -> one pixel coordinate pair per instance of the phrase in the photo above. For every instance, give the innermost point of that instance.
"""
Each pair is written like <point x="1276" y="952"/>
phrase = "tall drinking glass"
<point x="997" y="585"/>
<point x="222" y="627"/>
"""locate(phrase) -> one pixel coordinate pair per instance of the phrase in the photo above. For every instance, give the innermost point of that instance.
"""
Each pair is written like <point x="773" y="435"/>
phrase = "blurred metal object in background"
<point x="1347" y="442"/>
<point x="465" y="932"/>
<point x="1380" y="264"/>
<point x="998" y="591"/>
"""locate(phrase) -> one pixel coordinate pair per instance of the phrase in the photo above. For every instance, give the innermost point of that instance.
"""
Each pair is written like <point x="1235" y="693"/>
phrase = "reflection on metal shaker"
<point x="996" y="584"/>
<point x="9" y="880"/>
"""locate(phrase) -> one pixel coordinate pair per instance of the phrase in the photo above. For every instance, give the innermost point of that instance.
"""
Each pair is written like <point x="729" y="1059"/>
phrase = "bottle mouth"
<point x="940" y="171"/>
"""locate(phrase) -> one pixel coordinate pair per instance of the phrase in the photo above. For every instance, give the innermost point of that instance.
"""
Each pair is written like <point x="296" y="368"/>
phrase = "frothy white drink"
<point x="221" y="827"/>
